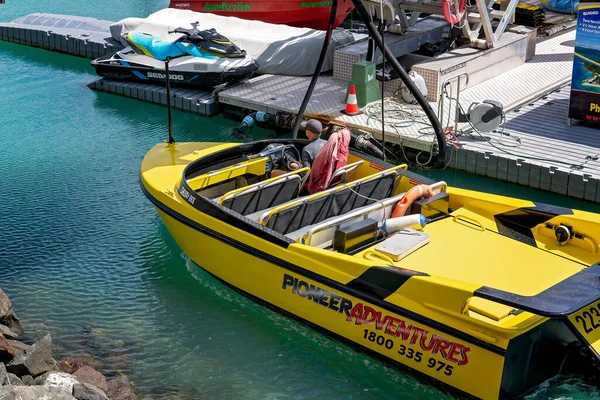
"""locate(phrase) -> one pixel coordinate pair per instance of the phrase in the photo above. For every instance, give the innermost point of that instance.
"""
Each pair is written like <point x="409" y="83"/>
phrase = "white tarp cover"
<point x="278" y="49"/>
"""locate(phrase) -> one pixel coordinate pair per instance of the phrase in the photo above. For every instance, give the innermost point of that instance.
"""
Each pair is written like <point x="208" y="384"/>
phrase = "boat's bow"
<point x="163" y="166"/>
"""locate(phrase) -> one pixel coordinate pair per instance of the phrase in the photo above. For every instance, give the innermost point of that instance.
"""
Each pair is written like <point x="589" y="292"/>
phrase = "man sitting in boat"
<point x="325" y="158"/>
<point x="313" y="131"/>
<point x="311" y="150"/>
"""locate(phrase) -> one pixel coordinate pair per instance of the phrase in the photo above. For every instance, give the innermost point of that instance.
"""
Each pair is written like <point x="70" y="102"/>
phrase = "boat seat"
<point x="343" y="174"/>
<point x="265" y="194"/>
<point x="255" y="166"/>
<point x="313" y="209"/>
<point x="321" y="234"/>
<point x="261" y="216"/>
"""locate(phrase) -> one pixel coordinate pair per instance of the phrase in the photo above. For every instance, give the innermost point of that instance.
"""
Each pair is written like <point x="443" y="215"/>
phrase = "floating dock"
<point x="536" y="147"/>
<point x="547" y="71"/>
<point x="192" y="100"/>
<point x="77" y="36"/>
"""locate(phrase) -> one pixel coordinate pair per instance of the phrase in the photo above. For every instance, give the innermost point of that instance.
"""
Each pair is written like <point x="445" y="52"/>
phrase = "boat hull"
<point x="256" y="269"/>
<point x="302" y="14"/>
<point x="420" y="314"/>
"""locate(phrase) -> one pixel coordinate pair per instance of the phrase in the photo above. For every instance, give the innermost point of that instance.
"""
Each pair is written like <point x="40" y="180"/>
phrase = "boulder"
<point x="90" y="375"/>
<point x="57" y="379"/>
<point x="12" y="322"/>
<point x="36" y="360"/>
<point x="7" y="353"/>
<point x="4" y="378"/>
<point x="27" y="379"/>
<point x="33" y="393"/>
<point x="19" y="347"/>
<point x="5" y="304"/>
<point x="15" y="380"/>
<point x="85" y="391"/>
<point x="5" y="330"/>
<point x="121" y="389"/>
<point x="72" y="364"/>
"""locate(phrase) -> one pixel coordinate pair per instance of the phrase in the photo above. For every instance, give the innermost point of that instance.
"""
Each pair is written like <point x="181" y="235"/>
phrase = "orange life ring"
<point x="413" y="194"/>
<point x="450" y="17"/>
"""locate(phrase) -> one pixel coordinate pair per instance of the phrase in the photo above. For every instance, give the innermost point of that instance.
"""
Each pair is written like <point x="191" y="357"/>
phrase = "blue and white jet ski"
<point x="197" y="58"/>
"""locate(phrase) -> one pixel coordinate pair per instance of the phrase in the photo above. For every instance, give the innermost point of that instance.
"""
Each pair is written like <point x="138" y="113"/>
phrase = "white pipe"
<point x="415" y="221"/>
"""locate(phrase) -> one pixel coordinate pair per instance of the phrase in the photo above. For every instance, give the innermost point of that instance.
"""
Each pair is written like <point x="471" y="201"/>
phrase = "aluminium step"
<point x="428" y="30"/>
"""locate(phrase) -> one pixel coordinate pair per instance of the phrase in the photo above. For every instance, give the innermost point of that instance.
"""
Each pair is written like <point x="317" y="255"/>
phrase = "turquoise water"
<point x="85" y="257"/>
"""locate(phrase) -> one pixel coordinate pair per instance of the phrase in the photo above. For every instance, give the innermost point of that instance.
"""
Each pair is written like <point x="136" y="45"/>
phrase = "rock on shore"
<point x="31" y="373"/>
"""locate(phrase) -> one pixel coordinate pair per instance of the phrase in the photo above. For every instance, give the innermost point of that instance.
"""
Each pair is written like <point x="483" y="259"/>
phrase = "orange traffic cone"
<point x="351" y="103"/>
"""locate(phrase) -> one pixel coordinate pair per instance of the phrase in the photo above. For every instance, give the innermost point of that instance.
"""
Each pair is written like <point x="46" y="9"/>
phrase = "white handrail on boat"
<point x="365" y="212"/>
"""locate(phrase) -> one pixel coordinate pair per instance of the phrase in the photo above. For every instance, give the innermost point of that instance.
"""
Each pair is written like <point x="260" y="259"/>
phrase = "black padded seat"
<point x="334" y="203"/>
<point x="261" y="196"/>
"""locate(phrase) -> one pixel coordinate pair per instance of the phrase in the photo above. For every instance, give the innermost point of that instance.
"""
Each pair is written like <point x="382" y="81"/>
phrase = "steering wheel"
<point x="290" y="159"/>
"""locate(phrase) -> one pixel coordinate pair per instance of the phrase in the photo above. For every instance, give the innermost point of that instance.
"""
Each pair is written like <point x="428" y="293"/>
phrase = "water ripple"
<point x="85" y="257"/>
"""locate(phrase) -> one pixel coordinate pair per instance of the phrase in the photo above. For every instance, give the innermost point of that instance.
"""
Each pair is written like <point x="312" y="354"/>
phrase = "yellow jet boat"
<point x="492" y="296"/>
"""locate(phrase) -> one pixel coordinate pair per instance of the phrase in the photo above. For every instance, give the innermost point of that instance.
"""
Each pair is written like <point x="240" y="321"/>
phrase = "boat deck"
<point x="494" y="262"/>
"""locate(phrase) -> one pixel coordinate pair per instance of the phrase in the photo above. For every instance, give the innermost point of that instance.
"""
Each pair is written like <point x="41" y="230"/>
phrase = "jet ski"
<point x="197" y="58"/>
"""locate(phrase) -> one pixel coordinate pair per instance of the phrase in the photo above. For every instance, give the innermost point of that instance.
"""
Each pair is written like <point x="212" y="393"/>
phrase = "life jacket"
<point x="331" y="157"/>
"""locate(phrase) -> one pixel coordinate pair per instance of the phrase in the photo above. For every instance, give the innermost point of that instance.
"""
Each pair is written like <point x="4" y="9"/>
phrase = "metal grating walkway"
<point x="271" y="93"/>
<point x="549" y="69"/>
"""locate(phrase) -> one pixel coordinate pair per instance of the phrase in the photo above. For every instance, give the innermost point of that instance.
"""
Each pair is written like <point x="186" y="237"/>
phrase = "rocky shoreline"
<point x="29" y="372"/>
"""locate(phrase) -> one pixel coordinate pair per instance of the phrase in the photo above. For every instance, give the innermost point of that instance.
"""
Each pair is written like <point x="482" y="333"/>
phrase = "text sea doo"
<point x="492" y="297"/>
<point x="198" y="58"/>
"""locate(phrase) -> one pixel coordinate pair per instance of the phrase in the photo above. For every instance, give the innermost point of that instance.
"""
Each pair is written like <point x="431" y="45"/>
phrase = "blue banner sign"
<point x="585" y="85"/>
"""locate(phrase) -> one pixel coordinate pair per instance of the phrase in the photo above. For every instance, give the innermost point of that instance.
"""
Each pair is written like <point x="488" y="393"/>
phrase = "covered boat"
<point x="280" y="50"/>
<point x="302" y="14"/>
<point x="491" y="297"/>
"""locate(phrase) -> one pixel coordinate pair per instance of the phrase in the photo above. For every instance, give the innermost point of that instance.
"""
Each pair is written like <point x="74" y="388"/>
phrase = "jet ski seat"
<point x="339" y="200"/>
<point x="153" y="46"/>
<point x="268" y="193"/>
